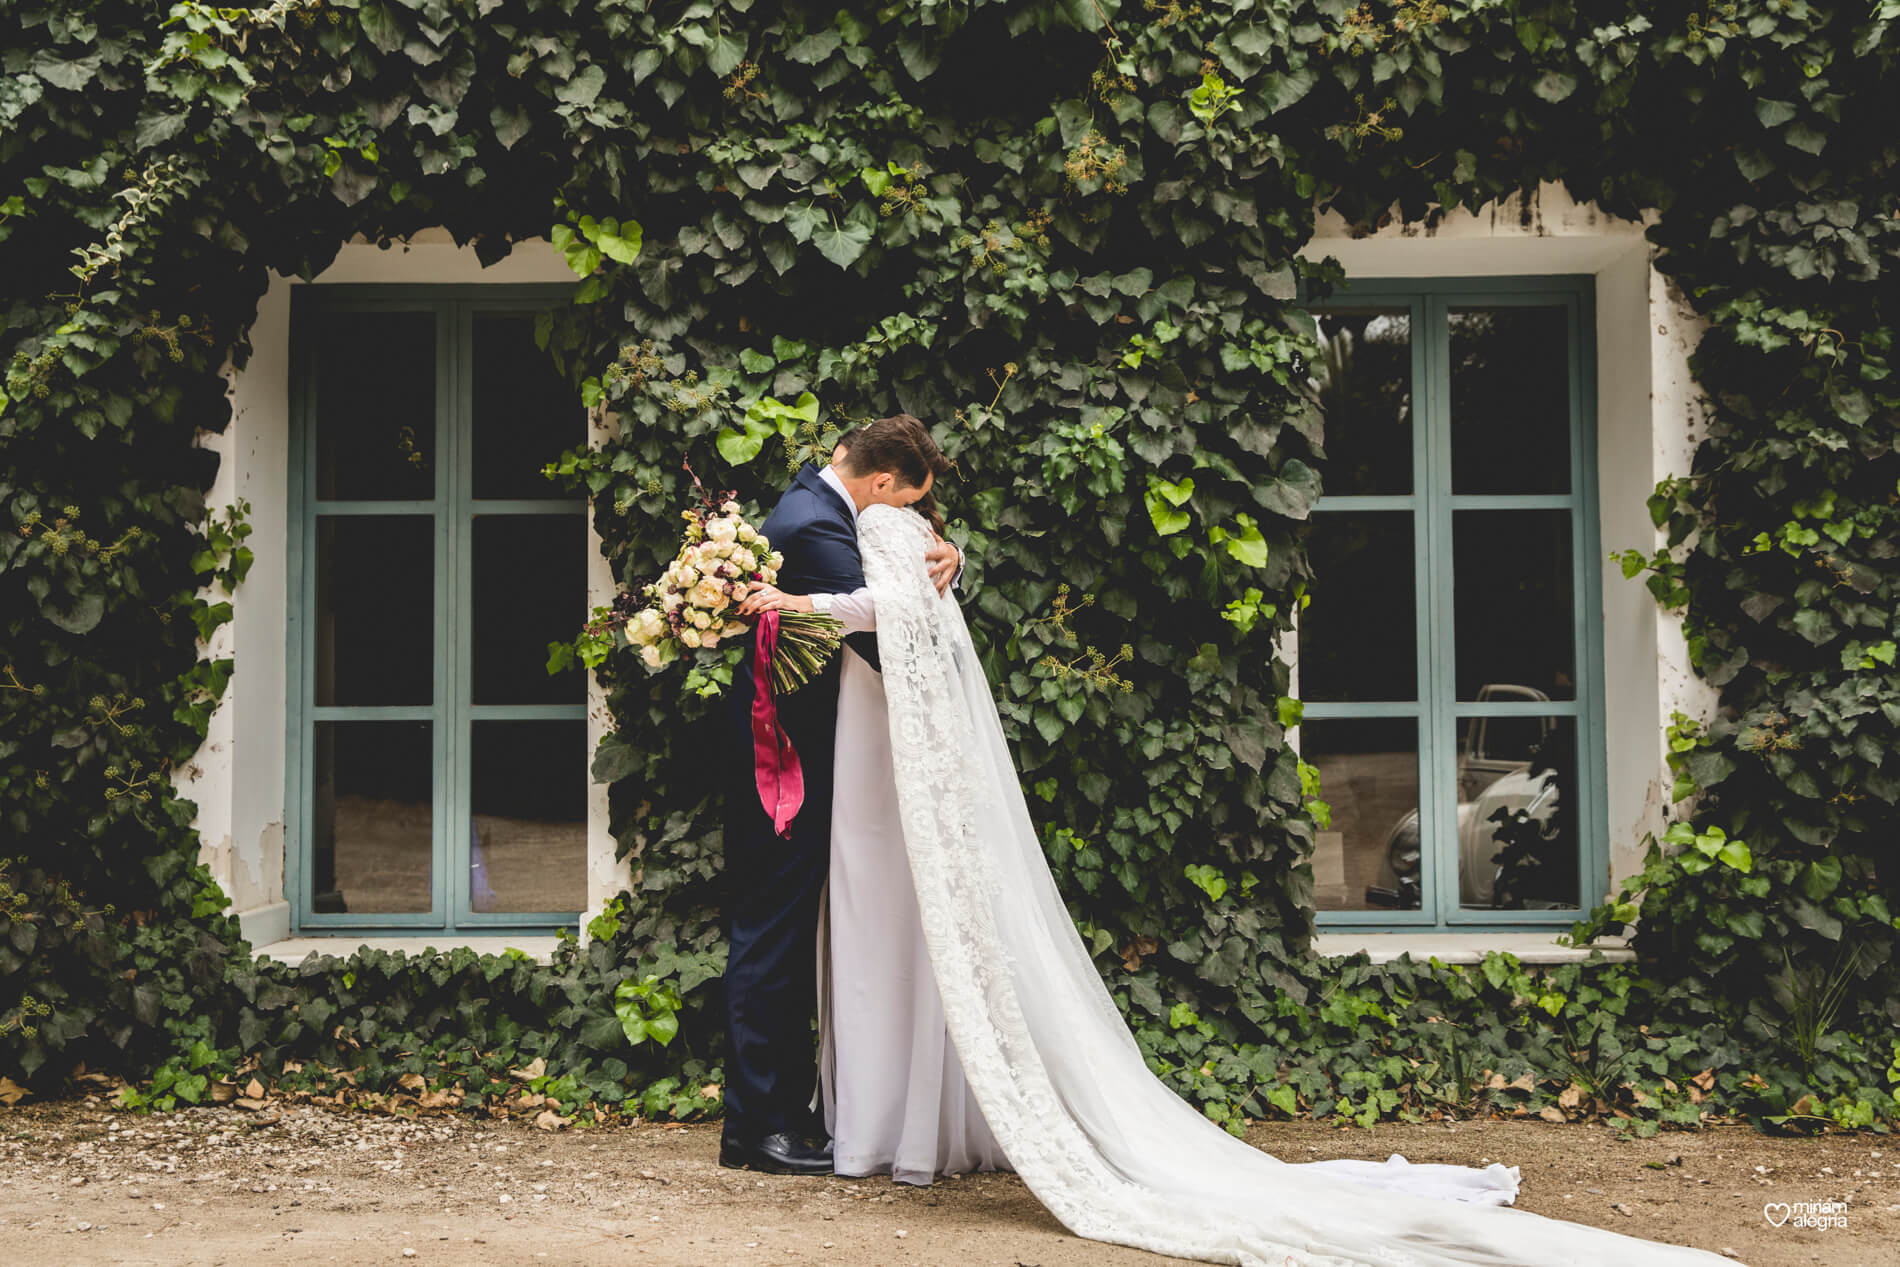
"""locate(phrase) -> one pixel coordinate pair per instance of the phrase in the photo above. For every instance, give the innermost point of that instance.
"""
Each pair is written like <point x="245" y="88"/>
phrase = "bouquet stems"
<point x="806" y="641"/>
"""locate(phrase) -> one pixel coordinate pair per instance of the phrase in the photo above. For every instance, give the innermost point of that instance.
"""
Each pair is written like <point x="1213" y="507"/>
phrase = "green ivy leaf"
<point x="842" y="243"/>
<point x="1163" y="498"/>
<point x="584" y="88"/>
<point x="382" y="27"/>
<point x="1773" y="113"/>
<point x="1208" y="879"/>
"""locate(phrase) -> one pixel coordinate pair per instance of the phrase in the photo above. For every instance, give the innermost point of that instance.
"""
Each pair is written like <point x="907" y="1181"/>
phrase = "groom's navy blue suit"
<point x="773" y="882"/>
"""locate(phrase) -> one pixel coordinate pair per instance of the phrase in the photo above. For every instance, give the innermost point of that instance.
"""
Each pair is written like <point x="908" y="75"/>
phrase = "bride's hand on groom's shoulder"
<point x="770" y="598"/>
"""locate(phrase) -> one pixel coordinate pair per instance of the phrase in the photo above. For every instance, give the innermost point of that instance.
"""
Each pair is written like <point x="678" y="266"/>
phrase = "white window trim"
<point x="1649" y="421"/>
<point x="237" y="776"/>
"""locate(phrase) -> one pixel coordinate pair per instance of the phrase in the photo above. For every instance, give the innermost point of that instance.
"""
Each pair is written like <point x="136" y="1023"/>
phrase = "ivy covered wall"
<point x="1065" y="232"/>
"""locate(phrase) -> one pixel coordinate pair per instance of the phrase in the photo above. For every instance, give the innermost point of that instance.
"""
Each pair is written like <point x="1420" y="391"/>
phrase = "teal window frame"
<point x="1440" y="715"/>
<point x="451" y="712"/>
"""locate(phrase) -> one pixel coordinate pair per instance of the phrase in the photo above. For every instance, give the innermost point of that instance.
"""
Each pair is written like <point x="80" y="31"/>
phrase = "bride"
<point x="963" y="1025"/>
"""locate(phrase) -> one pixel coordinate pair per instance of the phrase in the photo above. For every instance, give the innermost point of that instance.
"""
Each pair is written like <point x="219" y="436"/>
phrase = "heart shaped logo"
<point x="1776" y="1212"/>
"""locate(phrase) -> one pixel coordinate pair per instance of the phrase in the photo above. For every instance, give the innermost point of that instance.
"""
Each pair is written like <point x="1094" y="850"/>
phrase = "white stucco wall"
<point x="237" y="776"/>
<point x="1648" y="422"/>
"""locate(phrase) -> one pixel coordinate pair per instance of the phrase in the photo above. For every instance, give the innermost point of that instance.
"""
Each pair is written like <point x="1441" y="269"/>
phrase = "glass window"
<point x="441" y="776"/>
<point x="1446" y="657"/>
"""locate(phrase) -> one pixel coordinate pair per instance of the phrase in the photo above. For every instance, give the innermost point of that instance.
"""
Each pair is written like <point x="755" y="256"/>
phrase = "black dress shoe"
<point x="780" y="1153"/>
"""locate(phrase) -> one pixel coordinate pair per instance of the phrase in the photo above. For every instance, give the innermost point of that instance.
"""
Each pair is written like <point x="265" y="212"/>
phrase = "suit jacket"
<point x="818" y="535"/>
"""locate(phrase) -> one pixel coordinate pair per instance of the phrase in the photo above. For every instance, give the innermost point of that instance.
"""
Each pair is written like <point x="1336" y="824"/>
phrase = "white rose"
<point x="722" y="530"/>
<point x="672" y="601"/>
<point x="777" y="559"/>
<point x="710" y="638"/>
<point x="748" y="533"/>
<point x="651" y="655"/>
<point x="690" y="637"/>
<point x="701" y="620"/>
<point x="731" y="508"/>
<point x="688" y="576"/>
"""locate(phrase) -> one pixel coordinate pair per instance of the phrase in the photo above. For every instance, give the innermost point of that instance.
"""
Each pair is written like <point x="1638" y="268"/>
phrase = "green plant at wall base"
<point x="647" y="1008"/>
<point x="971" y="213"/>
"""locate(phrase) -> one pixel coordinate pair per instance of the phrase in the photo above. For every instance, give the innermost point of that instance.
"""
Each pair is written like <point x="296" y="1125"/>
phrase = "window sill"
<point x="294" y="950"/>
<point x="1463" y="947"/>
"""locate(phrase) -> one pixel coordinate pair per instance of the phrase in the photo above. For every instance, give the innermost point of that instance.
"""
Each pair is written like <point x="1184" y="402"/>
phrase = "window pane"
<point x="372" y="808"/>
<point x="375" y="636"/>
<point x="523" y="412"/>
<point x="1368" y="858"/>
<point x="1517" y="814"/>
<point x="1510" y="400"/>
<point x="375" y="405"/>
<point x="527" y="838"/>
<point x="1363" y="383"/>
<point x="530" y="589"/>
<point x="1511" y="596"/>
<point x="1358" y="637"/>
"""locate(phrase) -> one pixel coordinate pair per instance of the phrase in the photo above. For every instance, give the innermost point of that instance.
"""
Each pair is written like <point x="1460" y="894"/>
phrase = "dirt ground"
<point x="81" y="1183"/>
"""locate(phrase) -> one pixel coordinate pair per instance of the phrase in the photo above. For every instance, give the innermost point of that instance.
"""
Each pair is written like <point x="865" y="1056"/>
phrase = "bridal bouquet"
<point x="691" y="606"/>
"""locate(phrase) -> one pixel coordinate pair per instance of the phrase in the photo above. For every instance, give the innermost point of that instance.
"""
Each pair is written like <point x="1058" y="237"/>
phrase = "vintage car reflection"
<point x="1494" y="762"/>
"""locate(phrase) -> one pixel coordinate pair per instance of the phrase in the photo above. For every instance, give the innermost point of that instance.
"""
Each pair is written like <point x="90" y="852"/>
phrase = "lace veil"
<point x="1104" y="1144"/>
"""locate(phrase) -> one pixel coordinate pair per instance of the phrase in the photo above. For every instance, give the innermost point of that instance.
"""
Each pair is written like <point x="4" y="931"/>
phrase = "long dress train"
<point x="1104" y="1144"/>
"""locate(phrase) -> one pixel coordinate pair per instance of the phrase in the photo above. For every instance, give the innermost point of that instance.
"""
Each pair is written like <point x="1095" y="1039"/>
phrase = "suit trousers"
<point x="770" y="916"/>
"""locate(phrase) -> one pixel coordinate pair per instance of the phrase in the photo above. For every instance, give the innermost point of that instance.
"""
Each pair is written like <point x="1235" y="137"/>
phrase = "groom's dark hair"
<point x="900" y="444"/>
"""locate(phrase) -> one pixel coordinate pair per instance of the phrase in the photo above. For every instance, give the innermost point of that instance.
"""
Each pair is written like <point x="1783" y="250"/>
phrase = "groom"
<point x="773" y="882"/>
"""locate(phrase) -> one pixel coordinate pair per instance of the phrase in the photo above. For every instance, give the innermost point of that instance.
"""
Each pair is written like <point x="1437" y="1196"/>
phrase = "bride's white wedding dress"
<point x="964" y="1024"/>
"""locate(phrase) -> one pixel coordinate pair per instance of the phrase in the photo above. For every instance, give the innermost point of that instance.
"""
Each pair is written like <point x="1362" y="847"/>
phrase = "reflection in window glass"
<point x="1363" y="385"/>
<point x="1517" y="814"/>
<point x="1368" y="857"/>
<point x="1510" y="400"/>
<point x="375" y="405"/>
<point x="373" y="803"/>
<point x="1512" y="574"/>
<point x="1358" y="637"/>
<point x="528" y="833"/>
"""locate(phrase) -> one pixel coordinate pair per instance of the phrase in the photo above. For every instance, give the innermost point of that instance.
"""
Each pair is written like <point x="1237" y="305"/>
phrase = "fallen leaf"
<point x="1523" y="1082"/>
<point x="536" y="1068"/>
<point x="1570" y="1096"/>
<point x="11" y="1092"/>
<point x="254" y="1089"/>
<point x="549" y="1120"/>
<point x="1551" y="1113"/>
<point x="412" y="1082"/>
<point x="247" y="1102"/>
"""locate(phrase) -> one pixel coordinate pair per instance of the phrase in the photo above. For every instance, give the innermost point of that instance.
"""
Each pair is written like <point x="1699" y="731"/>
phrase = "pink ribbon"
<point x="774" y="762"/>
